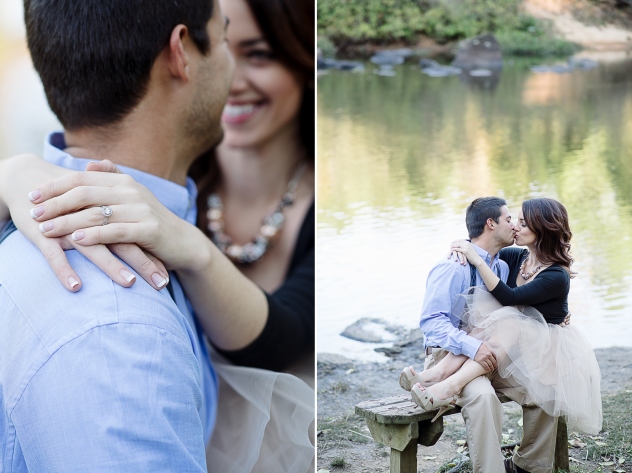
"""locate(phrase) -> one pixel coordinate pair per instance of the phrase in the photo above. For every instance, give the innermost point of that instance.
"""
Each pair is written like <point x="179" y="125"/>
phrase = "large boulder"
<point x="481" y="52"/>
<point x="373" y="330"/>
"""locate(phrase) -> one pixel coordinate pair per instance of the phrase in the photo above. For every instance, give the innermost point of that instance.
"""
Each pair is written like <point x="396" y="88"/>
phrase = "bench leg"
<point x="430" y="432"/>
<point x="406" y="461"/>
<point x="402" y="438"/>
<point x="561" y="447"/>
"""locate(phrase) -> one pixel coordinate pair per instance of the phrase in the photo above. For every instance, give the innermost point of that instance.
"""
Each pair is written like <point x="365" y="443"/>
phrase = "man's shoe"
<point x="511" y="467"/>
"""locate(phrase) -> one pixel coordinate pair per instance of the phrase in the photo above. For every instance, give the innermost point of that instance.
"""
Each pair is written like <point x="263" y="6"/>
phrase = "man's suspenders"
<point x="473" y="275"/>
<point x="7" y="230"/>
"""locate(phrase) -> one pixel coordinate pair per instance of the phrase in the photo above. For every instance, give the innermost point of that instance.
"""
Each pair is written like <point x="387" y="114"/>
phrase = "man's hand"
<point x="486" y="358"/>
<point x="567" y="320"/>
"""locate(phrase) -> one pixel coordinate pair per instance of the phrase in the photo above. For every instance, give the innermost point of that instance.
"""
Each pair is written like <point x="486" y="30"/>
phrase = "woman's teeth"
<point x="238" y="110"/>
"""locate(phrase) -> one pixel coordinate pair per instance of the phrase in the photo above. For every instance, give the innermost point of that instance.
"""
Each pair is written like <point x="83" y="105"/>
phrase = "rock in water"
<point x="372" y="331"/>
<point x="582" y="63"/>
<point x="389" y="351"/>
<point x="326" y="63"/>
<point x="481" y="52"/>
<point x="481" y="73"/>
<point x="385" y="59"/>
<point x="334" y="360"/>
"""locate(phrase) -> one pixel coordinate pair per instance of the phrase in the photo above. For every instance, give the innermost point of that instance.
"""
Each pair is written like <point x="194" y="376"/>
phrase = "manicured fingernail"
<point x="73" y="282"/>
<point x="158" y="280"/>
<point x="46" y="227"/>
<point x="37" y="211"/>
<point x="78" y="235"/>
<point x="129" y="277"/>
<point x="34" y="195"/>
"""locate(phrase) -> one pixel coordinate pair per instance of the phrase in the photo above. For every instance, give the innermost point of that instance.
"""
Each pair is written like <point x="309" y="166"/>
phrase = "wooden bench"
<point x="399" y="423"/>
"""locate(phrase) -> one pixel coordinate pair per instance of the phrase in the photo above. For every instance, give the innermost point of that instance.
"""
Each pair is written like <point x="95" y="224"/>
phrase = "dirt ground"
<point x="344" y="442"/>
<point x="595" y="25"/>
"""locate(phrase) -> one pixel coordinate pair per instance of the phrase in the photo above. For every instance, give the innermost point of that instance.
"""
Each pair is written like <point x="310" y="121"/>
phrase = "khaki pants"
<point x="483" y="415"/>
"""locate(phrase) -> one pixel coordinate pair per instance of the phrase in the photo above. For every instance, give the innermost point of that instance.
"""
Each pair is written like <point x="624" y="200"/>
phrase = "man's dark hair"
<point x="479" y="211"/>
<point x="95" y="56"/>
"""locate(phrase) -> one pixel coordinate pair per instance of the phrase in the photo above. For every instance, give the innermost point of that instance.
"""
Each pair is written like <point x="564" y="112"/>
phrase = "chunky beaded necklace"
<point x="530" y="273"/>
<point x="270" y="228"/>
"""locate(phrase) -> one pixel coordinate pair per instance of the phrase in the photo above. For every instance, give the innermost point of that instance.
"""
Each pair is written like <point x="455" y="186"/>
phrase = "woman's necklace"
<point x="270" y="228"/>
<point x="530" y="273"/>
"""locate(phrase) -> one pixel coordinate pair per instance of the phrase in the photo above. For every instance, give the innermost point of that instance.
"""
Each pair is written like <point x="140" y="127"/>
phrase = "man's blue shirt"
<point x="106" y="379"/>
<point x="445" y="282"/>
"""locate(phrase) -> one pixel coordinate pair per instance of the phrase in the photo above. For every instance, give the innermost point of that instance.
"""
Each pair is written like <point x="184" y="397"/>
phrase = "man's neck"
<point x="145" y="146"/>
<point x="486" y="244"/>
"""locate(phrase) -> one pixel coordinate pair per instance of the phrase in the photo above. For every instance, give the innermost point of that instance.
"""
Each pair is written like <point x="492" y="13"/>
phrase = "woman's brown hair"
<point x="548" y="220"/>
<point x="288" y="27"/>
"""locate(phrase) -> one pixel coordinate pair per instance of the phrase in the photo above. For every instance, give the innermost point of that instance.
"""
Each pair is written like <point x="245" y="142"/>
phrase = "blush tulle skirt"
<point x="555" y="366"/>
<point x="264" y="421"/>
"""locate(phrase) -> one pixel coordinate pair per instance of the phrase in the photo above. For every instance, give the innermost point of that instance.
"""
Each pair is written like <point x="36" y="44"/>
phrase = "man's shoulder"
<point x="55" y="314"/>
<point x="447" y="267"/>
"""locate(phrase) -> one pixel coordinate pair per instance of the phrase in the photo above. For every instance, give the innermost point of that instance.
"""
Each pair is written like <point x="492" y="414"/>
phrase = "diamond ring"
<point x="107" y="212"/>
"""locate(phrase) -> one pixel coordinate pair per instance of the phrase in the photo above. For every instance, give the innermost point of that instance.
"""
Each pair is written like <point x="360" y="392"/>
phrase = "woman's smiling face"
<point x="265" y="96"/>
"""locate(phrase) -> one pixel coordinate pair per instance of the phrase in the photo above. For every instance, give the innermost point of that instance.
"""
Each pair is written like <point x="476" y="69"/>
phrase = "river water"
<point x="400" y="158"/>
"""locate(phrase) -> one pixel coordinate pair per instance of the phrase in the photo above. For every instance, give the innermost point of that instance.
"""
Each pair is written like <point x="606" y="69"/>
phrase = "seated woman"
<point x="248" y="269"/>
<point x="554" y="365"/>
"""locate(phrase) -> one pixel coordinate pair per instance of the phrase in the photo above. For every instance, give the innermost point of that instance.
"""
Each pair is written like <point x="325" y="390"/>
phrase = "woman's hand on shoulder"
<point x="463" y="251"/>
<point x="20" y="177"/>
<point x="457" y="256"/>
<point x="73" y="205"/>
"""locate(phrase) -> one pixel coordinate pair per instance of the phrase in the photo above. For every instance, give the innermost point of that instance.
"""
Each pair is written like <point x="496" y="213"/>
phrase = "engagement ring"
<point x="107" y="212"/>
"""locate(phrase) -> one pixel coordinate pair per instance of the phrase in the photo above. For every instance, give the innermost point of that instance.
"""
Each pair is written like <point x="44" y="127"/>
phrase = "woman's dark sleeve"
<point x="290" y="329"/>
<point x="546" y="286"/>
<point x="511" y="256"/>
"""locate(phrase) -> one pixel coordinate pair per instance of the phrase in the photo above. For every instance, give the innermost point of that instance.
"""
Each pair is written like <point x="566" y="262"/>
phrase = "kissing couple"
<point x="495" y="319"/>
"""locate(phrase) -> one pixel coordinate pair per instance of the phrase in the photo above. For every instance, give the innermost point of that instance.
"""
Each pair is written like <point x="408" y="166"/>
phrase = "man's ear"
<point x="178" y="59"/>
<point x="490" y="223"/>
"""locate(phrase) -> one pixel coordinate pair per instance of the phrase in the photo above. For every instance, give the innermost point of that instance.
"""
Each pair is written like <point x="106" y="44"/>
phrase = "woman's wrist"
<point x="197" y="254"/>
<point x="477" y="262"/>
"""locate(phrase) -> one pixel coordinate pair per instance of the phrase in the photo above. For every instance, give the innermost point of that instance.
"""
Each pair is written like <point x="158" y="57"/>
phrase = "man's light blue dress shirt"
<point x="446" y="281"/>
<point x="108" y="379"/>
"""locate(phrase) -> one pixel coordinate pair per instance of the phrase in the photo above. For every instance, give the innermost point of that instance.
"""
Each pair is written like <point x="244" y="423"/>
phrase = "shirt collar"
<point x="179" y="199"/>
<point x="486" y="256"/>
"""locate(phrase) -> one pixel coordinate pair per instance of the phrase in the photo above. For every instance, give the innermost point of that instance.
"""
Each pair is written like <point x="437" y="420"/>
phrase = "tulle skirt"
<point x="556" y="366"/>
<point x="264" y="422"/>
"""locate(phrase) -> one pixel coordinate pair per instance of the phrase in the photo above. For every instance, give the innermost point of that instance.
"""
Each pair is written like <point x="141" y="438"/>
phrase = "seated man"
<point x="112" y="378"/>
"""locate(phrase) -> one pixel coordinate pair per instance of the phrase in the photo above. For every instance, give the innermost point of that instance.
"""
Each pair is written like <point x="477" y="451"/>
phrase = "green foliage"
<point x="454" y="19"/>
<point x="326" y="46"/>
<point x="520" y="43"/>
<point x="533" y="37"/>
<point x="338" y="462"/>
<point x="382" y="21"/>
<point x="352" y="21"/>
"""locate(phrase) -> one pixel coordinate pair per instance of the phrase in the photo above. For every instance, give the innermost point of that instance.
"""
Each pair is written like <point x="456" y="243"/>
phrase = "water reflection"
<point x="401" y="157"/>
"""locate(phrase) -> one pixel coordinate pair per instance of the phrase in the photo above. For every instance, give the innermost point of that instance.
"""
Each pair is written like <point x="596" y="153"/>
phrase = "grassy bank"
<point x="348" y="23"/>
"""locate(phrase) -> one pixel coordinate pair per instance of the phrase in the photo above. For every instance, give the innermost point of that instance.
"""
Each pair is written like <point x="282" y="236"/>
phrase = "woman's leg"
<point x="444" y="368"/>
<point x="507" y="331"/>
<point x="453" y="384"/>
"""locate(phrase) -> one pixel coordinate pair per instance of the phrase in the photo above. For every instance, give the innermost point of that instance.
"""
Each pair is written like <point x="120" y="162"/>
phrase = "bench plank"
<point x="400" y="409"/>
